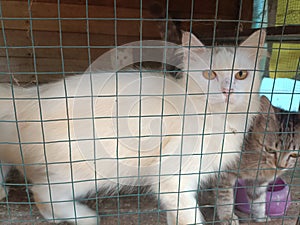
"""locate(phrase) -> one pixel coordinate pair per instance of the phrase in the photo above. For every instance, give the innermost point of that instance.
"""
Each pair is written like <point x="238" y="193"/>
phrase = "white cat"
<point x="135" y="130"/>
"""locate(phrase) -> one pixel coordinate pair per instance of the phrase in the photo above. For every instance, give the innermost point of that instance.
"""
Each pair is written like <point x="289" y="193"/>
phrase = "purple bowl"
<point x="278" y="198"/>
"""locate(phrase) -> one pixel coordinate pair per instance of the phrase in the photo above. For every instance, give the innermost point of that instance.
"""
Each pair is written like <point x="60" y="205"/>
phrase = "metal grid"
<point x="113" y="217"/>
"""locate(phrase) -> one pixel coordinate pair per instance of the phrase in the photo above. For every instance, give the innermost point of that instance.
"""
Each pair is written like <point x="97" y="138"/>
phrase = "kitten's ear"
<point x="189" y="39"/>
<point x="264" y="119"/>
<point x="257" y="39"/>
<point x="266" y="106"/>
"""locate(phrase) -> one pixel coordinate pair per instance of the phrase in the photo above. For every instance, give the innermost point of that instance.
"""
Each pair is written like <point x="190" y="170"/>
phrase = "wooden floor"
<point x="19" y="211"/>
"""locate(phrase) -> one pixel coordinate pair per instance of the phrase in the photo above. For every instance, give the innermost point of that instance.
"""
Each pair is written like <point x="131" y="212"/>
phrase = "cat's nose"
<point x="227" y="92"/>
<point x="281" y="164"/>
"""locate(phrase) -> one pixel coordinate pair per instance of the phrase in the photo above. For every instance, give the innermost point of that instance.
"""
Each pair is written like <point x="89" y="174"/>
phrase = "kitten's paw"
<point x="262" y="219"/>
<point x="234" y="220"/>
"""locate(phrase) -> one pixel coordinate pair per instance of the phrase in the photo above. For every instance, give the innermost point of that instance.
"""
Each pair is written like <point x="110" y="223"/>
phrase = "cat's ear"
<point x="189" y="39"/>
<point x="192" y="47"/>
<point x="257" y="39"/>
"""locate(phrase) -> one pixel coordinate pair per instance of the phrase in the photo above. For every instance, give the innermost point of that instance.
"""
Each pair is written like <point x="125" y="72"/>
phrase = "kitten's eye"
<point x="241" y="75"/>
<point x="294" y="155"/>
<point x="269" y="150"/>
<point x="209" y="74"/>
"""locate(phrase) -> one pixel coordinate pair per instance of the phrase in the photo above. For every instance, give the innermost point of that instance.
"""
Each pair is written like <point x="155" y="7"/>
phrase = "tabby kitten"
<point x="270" y="148"/>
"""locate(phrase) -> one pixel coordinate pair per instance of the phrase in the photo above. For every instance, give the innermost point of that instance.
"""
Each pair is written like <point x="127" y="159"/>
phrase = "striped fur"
<point x="270" y="148"/>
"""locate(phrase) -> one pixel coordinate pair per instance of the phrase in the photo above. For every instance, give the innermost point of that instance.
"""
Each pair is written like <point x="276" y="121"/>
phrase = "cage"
<point x="49" y="41"/>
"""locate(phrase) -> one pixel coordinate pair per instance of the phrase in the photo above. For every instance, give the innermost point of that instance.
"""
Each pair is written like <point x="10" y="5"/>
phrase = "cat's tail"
<point x="168" y="27"/>
<point x="170" y="31"/>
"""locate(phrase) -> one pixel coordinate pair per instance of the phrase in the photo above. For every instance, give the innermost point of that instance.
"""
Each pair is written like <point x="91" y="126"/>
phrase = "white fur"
<point x="151" y="150"/>
<point x="259" y="204"/>
<point x="4" y="169"/>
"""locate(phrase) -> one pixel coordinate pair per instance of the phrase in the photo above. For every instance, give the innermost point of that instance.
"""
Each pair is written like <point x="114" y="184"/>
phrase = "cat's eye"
<point x="209" y="74"/>
<point x="270" y="150"/>
<point x="241" y="75"/>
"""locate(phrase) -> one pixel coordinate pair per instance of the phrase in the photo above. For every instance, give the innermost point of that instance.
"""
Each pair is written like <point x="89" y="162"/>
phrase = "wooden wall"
<point x="47" y="38"/>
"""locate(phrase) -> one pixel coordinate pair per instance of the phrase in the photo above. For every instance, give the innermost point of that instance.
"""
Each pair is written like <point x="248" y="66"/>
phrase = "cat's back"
<point x="102" y="105"/>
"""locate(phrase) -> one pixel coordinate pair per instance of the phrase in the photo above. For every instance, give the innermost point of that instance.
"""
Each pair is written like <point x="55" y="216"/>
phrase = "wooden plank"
<point x="96" y="25"/>
<point x="21" y="38"/>
<point x="55" y="53"/>
<point x="128" y="9"/>
<point x="47" y="44"/>
<point x="131" y="28"/>
<point x="50" y="10"/>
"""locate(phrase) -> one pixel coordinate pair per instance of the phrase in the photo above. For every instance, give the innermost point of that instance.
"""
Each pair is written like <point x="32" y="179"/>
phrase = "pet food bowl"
<point x="278" y="198"/>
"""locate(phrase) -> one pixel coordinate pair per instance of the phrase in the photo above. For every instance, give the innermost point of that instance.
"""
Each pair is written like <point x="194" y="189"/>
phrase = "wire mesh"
<point x="79" y="148"/>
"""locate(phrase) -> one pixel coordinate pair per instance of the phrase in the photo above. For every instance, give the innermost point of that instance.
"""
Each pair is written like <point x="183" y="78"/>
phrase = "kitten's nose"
<point x="227" y="92"/>
<point x="281" y="164"/>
